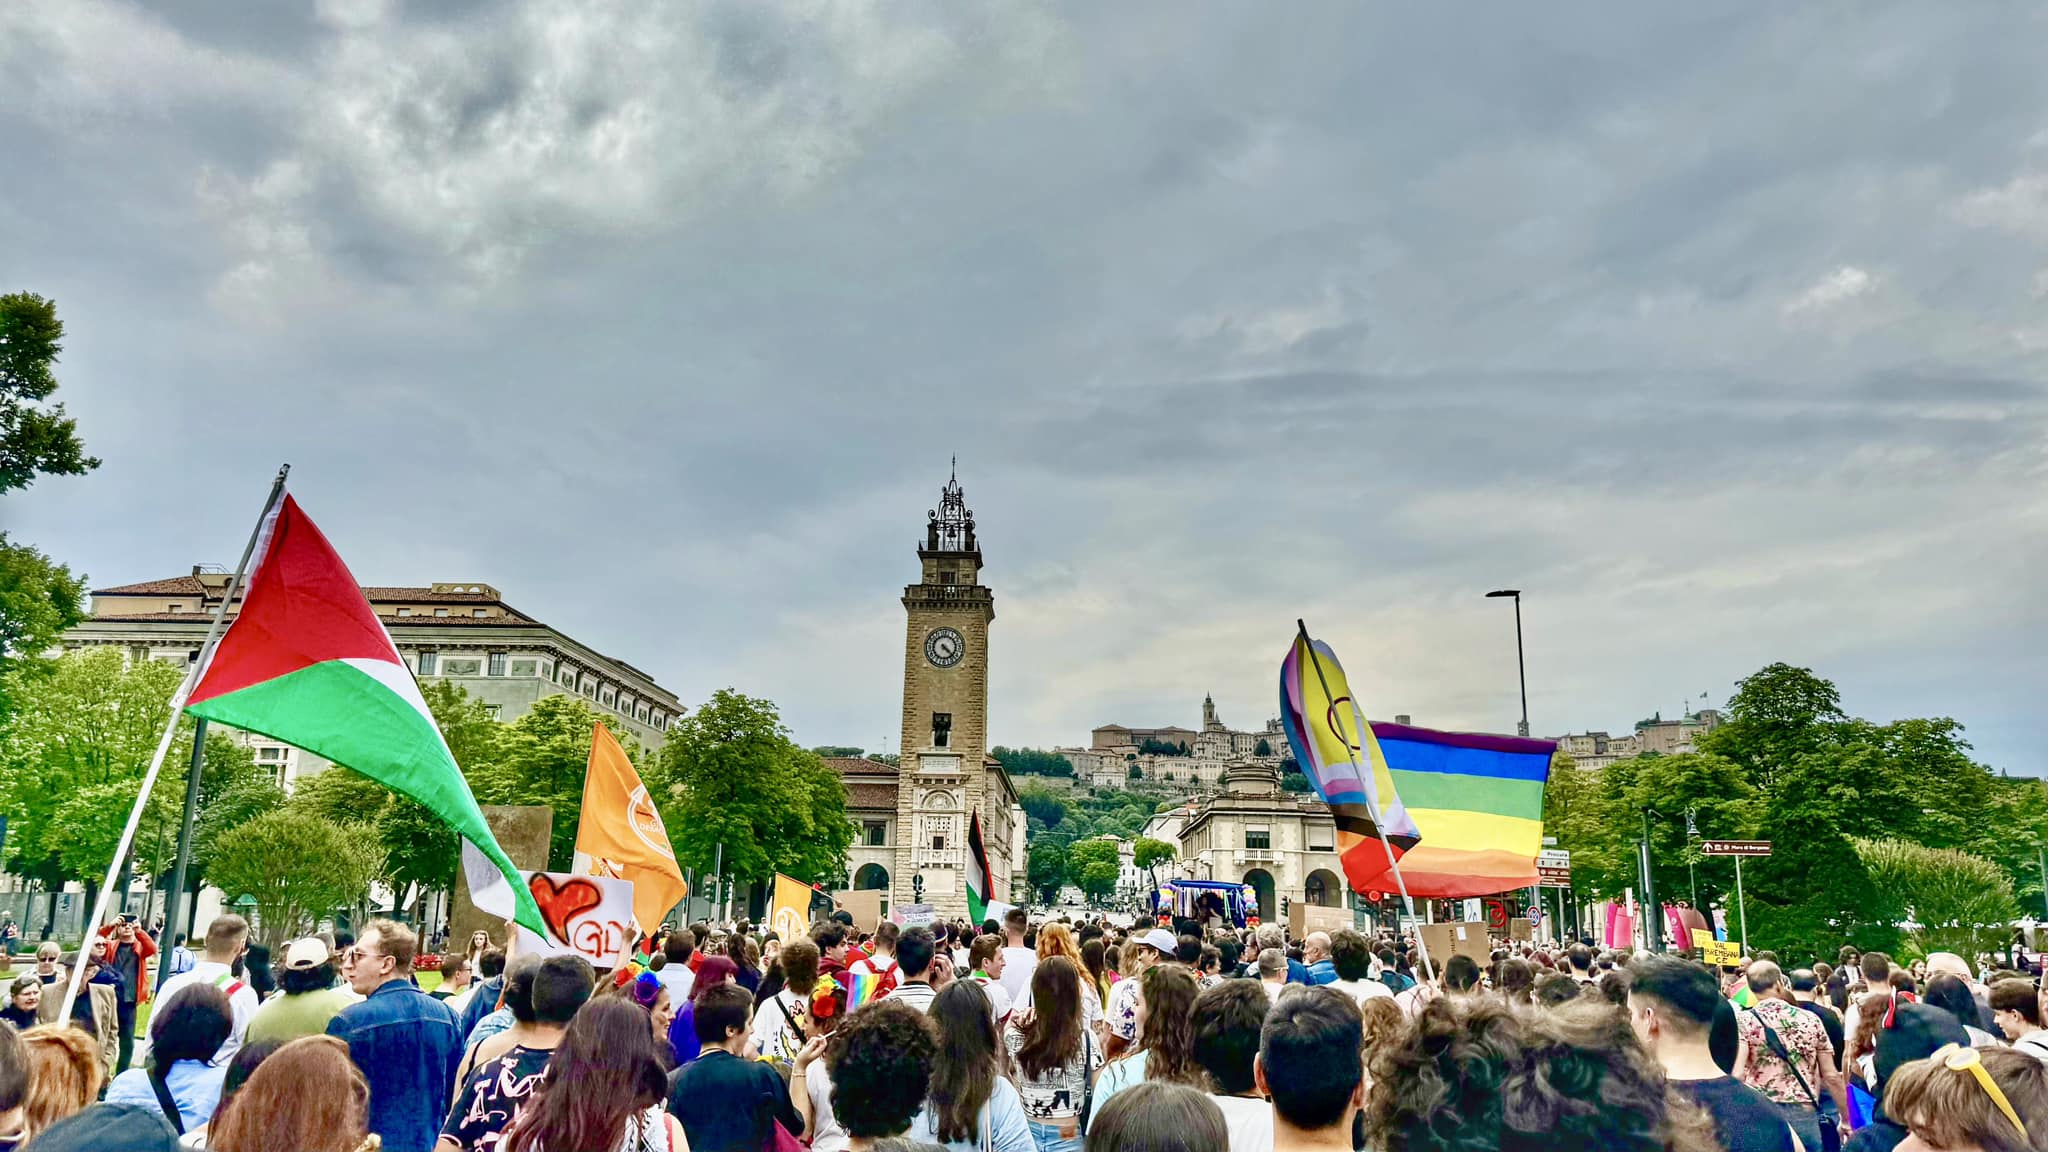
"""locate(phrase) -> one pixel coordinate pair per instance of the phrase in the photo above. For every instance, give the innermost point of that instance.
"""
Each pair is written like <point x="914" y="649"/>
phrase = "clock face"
<point x="944" y="647"/>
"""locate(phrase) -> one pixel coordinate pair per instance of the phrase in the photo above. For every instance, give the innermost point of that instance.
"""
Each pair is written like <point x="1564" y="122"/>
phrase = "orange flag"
<point x="621" y="835"/>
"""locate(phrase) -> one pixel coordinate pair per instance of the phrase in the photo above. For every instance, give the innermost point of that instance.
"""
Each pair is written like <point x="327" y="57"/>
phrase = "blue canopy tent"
<point x="1200" y="899"/>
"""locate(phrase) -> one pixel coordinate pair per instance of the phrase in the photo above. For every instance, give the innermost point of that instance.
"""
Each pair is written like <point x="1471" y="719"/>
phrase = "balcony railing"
<point x="1264" y="855"/>
<point x="938" y="858"/>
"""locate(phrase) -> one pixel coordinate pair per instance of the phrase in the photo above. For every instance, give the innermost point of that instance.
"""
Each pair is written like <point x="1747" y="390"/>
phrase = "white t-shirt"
<point x="1250" y="1122"/>
<point x="1018" y="965"/>
<point x="998" y="999"/>
<point x="2034" y="1044"/>
<point x="872" y="966"/>
<point x="918" y="995"/>
<point x="1362" y="990"/>
<point x="678" y="979"/>
<point x="773" y="1035"/>
<point x="826" y="1133"/>
<point x="242" y="1000"/>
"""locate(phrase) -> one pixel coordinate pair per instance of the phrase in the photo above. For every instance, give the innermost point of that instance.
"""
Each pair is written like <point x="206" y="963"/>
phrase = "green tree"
<point x="1136" y="773"/>
<point x="233" y="808"/>
<point x="1295" y="782"/>
<point x="1046" y="867"/>
<point x="1262" y="748"/>
<point x="1960" y="902"/>
<point x="1092" y="867"/>
<point x="1032" y="762"/>
<point x="838" y="751"/>
<point x="1042" y="805"/>
<point x="35" y="438"/>
<point x="39" y="599"/>
<point x="733" y="777"/>
<point x="88" y="723"/>
<point x="298" y="867"/>
<point x="540" y="759"/>
<point x="1777" y="715"/>
<point x="1148" y="852"/>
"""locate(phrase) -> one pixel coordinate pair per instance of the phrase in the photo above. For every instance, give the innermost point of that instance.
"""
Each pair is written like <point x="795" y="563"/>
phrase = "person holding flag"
<point x="620" y="834"/>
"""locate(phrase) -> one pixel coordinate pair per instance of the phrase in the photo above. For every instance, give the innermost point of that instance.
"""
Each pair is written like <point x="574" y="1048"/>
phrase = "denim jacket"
<point x="406" y="1045"/>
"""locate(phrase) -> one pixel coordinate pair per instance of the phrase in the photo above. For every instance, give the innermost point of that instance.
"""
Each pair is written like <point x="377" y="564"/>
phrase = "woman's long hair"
<point x="1169" y="1036"/>
<point x="1054" y="1034"/>
<point x="969" y="1060"/>
<point x="1058" y="940"/>
<point x="307" y="1094"/>
<point x="739" y="948"/>
<point x="713" y="971"/>
<point x="1093" y="963"/>
<point x="603" y="1074"/>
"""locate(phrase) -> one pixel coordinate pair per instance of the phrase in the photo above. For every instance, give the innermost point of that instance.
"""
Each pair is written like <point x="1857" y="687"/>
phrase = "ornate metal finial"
<point x="951" y="528"/>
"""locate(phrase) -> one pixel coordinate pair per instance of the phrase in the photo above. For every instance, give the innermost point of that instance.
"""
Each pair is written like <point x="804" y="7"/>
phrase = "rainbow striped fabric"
<point x="1477" y="802"/>
<point x="860" y="988"/>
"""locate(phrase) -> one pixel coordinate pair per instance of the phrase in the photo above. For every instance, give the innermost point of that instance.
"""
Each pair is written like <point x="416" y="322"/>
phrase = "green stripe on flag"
<point x="1489" y="794"/>
<point x="341" y="713"/>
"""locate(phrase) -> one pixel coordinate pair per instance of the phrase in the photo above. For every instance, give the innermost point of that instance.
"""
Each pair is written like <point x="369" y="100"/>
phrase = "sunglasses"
<point x="1957" y="1058"/>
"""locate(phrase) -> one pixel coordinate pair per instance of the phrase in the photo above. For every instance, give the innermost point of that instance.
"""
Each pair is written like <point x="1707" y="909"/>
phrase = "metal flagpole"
<point x="163" y="747"/>
<point x="175" y="898"/>
<point x="1371" y="806"/>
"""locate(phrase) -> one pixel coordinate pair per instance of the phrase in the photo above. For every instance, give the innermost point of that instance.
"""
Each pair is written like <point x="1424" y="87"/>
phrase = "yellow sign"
<point x="1716" y="952"/>
<point x="789" y="914"/>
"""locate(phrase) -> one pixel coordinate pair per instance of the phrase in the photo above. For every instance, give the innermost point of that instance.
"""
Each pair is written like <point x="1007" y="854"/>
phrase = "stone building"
<point x="946" y="775"/>
<point x="1197" y="765"/>
<point x="1280" y="843"/>
<point x="459" y="632"/>
<point x="1665" y="737"/>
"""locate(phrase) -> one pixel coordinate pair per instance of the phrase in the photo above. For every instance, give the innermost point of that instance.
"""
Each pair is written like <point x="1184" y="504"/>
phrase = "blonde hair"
<point x="1058" y="940"/>
<point x="1948" y="1108"/>
<point x="65" y="1074"/>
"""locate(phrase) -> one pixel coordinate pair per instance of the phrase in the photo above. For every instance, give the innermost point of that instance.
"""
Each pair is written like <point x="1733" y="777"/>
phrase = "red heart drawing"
<point x="561" y="903"/>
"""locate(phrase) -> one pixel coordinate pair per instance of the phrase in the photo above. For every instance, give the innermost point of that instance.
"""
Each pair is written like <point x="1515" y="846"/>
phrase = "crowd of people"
<point x="1019" y="1036"/>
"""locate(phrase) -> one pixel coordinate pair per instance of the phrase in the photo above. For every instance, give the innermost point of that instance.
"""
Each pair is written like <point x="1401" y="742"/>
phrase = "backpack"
<point x="1395" y="982"/>
<point x="888" y="980"/>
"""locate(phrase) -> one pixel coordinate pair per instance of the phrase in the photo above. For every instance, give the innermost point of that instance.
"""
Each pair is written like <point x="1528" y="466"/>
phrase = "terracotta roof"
<point x="859" y="766"/>
<point x="175" y="586"/>
<point x="428" y="596"/>
<point x="871" y="796"/>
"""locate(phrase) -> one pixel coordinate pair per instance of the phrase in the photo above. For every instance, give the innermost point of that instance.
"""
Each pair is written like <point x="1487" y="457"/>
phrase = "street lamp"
<point x="1521" y="669"/>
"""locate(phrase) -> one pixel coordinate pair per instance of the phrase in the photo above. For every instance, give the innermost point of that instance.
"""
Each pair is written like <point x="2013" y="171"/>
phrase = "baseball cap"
<point x="309" y="952"/>
<point x="1160" y="939"/>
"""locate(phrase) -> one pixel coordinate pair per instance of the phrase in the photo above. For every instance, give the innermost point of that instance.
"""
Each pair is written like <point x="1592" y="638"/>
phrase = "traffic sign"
<point x="1547" y="877"/>
<point x="1736" y="847"/>
<point x="1554" y="858"/>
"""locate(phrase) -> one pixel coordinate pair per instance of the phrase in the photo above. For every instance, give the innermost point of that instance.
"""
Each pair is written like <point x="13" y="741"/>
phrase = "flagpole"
<point x="1371" y="806"/>
<point x="163" y="749"/>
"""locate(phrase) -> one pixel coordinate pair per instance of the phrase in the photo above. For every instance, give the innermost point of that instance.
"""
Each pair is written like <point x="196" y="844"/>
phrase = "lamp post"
<point x="1653" y="929"/>
<point x="1521" y="669"/>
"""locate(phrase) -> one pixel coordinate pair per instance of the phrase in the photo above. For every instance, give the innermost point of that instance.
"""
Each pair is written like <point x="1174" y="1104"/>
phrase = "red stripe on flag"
<point x="302" y="608"/>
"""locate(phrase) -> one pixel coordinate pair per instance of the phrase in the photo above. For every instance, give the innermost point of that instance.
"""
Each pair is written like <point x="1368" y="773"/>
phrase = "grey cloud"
<point x="667" y="321"/>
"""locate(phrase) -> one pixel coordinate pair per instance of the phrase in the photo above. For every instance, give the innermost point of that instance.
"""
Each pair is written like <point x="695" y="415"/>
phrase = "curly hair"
<point x="1168" y="1039"/>
<point x="1477" y="1075"/>
<point x="881" y="1062"/>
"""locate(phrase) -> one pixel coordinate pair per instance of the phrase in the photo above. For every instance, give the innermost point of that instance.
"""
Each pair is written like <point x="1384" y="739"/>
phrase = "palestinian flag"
<point x="307" y="662"/>
<point x="977" y="873"/>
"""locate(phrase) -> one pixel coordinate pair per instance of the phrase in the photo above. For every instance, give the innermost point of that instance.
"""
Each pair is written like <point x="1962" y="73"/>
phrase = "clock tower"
<point x="945" y="774"/>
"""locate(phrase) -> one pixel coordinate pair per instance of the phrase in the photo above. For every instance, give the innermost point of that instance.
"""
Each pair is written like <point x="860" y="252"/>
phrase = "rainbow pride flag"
<point x="1477" y="804"/>
<point x="860" y="988"/>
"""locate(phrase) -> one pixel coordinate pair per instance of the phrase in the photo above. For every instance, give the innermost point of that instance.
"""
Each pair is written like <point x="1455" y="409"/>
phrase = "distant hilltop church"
<point x="1190" y="758"/>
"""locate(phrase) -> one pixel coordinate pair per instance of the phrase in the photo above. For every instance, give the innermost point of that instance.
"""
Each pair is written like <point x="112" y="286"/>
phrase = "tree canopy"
<point x="36" y="438"/>
<point x="1032" y="762"/>
<point x="1790" y="766"/>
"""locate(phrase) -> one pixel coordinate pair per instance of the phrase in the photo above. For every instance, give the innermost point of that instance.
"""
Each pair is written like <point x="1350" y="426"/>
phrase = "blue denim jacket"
<point x="406" y="1045"/>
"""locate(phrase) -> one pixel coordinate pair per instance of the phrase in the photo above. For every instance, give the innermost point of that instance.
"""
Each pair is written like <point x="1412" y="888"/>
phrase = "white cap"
<point x="310" y="952"/>
<point x="1161" y="939"/>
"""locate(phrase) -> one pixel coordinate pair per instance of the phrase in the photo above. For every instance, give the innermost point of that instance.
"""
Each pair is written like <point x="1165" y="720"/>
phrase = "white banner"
<point x="587" y="916"/>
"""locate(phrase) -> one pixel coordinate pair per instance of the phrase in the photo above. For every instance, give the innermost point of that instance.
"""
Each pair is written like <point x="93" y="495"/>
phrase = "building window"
<point x="478" y="612"/>
<point x="947" y="577"/>
<point x="942" y="729"/>
<point x="427" y="663"/>
<point x="497" y="664"/>
<point x="174" y="607"/>
<point x="464" y="667"/>
<point x="138" y="655"/>
<point x="875" y="833"/>
<point x="641" y="715"/>
<point x="1322" y="840"/>
<point x="440" y="611"/>
<point x="606" y="698"/>
<point x="567" y="677"/>
<point x="1258" y="838"/>
<point x="405" y="611"/>
<point x="525" y="667"/>
<point x="491" y="710"/>
<point x="590" y="689"/>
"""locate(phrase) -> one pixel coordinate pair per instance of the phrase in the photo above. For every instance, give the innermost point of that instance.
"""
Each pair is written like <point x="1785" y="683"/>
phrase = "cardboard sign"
<point x="914" y="915"/>
<point x="587" y="916"/>
<point x="1304" y="918"/>
<point x="865" y="906"/>
<point x="1719" y="952"/>
<point x="1466" y="938"/>
<point x="1520" y="928"/>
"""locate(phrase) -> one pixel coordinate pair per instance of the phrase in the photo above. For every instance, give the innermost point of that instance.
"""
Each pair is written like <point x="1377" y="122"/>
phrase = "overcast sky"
<point x="1722" y="336"/>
